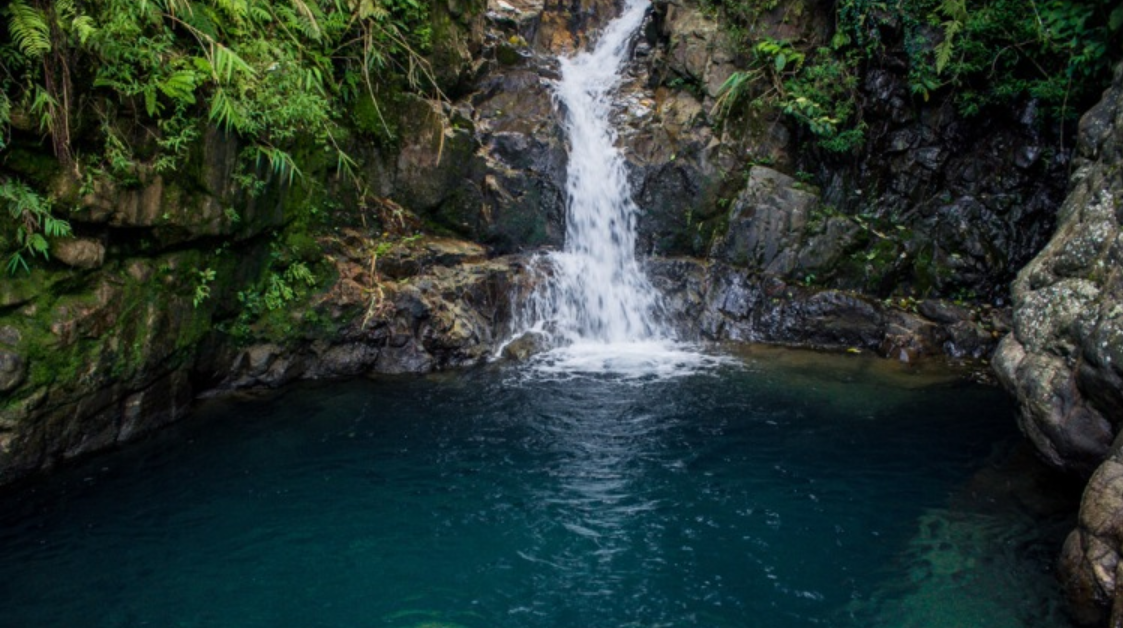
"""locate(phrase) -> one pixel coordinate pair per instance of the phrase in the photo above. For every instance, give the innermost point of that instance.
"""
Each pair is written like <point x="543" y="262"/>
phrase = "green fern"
<point x="956" y="13"/>
<point x="43" y="106"/>
<point x="83" y="26"/>
<point x="226" y="62"/>
<point x="151" y="105"/>
<point x="309" y="25"/>
<point x="224" y="112"/>
<point x="365" y="9"/>
<point x="180" y="86"/>
<point x="281" y="162"/>
<point x="5" y="118"/>
<point x="235" y="10"/>
<point x="36" y="226"/>
<point x="30" y="29"/>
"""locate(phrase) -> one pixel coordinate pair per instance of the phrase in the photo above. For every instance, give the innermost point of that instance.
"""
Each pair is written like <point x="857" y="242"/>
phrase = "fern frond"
<point x="946" y="48"/>
<point x="22" y="200"/>
<point x="29" y="28"/>
<point x="83" y="25"/>
<point x="313" y="80"/>
<point x="236" y="10"/>
<point x="310" y="25"/>
<point x="5" y="119"/>
<point x="37" y="244"/>
<point x="180" y="86"/>
<point x="65" y="9"/>
<point x="280" y="162"/>
<point x="368" y="8"/>
<point x="56" y="228"/>
<point x="224" y="112"/>
<point x="177" y="6"/>
<point x="16" y="262"/>
<point x="43" y="105"/>
<point x="202" y="19"/>
<point x="225" y="62"/>
<point x="151" y="105"/>
<point x="260" y="14"/>
<point x="956" y="12"/>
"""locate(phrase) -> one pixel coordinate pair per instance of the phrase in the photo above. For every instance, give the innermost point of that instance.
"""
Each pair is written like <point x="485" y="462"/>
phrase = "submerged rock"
<point x="525" y="346"/>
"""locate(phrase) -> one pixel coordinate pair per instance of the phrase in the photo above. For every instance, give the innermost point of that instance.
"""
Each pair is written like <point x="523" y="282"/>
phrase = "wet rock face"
<point x="1062" y="359"/>
<point x="949" y="206"/>
<point x="524" y="151"/>
<point x="767" y="223"/>
<point x="720" y="302"/>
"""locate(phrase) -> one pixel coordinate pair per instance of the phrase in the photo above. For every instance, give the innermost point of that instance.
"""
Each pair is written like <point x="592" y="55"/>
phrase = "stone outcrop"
<point x="715" y="301"/>
<point x="1064" y="359"/>
<point x="426" y="305"/>
<point x="86" y="370"/>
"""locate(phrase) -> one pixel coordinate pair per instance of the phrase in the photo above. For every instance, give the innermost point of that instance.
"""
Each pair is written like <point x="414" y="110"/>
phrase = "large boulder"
<point x="766" y="223"/>
<point x="1064" y="359"/>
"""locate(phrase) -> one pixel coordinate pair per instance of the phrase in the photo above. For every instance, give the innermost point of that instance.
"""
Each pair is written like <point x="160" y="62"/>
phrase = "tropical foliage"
<point x="30" y="213"/>
<point x="113" y="83"/>
<point x="1056" y="54"/>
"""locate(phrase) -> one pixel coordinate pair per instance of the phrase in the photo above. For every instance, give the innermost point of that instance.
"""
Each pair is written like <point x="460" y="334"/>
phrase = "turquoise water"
<point x="797" y="492"/>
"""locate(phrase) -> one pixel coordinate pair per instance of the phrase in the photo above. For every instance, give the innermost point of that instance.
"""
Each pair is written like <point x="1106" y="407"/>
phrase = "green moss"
<point x="507" y="54"/>
<point x="379" y="119"/>
<point x="34" y="165"/>
<point x="303" y="246"/>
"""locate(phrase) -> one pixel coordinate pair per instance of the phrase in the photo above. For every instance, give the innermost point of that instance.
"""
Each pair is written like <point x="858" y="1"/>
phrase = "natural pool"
<point x="787" y="489"/>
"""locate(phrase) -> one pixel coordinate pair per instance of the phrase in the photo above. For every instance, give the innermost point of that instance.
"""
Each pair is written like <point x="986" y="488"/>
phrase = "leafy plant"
<point x="35" y="225"/>
<point x="203" y="279"/>
<point x="981" y="53"/>
<point x="819" y="93"/>
<point x="279" y="74"/>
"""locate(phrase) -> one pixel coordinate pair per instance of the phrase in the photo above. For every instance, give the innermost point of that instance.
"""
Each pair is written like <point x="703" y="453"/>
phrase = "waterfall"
<point x="591" y="305"/>
<point x="594" y="290"/>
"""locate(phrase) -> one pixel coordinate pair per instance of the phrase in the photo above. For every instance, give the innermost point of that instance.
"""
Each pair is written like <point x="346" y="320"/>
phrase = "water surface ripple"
<point x="756" y="496"/>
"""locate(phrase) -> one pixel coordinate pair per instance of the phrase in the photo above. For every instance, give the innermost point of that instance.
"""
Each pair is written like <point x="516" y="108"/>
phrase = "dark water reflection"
<point x="786" y="492"/>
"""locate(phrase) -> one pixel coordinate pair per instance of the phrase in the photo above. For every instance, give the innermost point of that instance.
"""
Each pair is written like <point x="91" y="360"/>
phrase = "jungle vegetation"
<point x="1056" y="54"/>
<point x="116" y="86"/>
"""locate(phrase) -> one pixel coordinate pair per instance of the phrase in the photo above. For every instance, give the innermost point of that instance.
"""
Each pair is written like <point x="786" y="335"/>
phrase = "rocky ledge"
<point x="421" y="306"/>
<point x="96" y="367"/>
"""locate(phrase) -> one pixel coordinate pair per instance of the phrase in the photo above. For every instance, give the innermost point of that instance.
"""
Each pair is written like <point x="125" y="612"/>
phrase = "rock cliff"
<point x="1063" y="358"/>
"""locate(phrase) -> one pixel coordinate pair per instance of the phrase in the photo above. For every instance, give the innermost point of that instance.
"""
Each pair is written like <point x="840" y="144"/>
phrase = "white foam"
<point x="638" y="360"/>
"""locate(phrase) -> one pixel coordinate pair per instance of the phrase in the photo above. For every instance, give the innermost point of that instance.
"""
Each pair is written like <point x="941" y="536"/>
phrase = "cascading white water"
<point x="596" y="292"/>
<point x="592" y="302"/>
